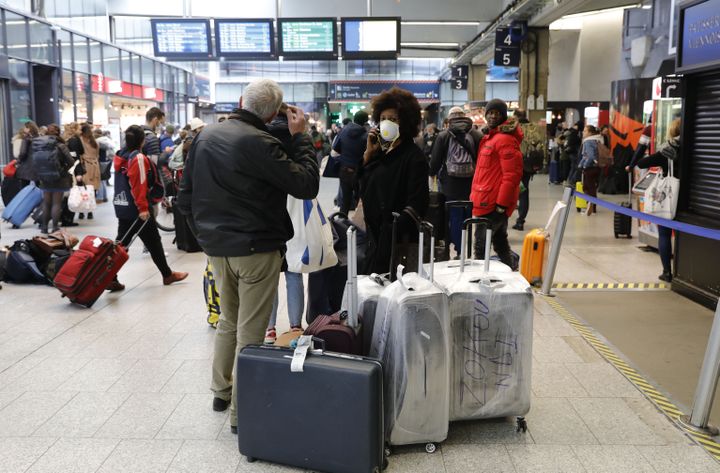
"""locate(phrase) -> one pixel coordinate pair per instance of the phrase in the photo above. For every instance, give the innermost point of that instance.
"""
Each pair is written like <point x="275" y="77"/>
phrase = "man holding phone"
<point x="235" y="187"/>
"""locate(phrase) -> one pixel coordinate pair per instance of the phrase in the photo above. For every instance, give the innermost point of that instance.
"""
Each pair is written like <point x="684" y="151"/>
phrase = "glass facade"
<point x="95" y="80"/>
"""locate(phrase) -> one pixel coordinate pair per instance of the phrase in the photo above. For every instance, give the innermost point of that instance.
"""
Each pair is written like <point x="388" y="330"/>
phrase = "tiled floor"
<point x="123" y="387"/>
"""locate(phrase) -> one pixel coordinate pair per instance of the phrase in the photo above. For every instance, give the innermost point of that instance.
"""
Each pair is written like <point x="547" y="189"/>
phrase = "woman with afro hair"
<point x="393" y="175"/>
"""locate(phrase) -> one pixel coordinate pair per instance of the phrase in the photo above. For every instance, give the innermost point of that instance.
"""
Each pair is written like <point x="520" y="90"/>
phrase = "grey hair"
<point x="262" y="98"/>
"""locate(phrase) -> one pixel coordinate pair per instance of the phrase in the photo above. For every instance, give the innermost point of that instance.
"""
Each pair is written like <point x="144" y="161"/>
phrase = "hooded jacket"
<point x="235" y="185"/>
<point x="498" y="170"/>
<point x="351" y="144"/>
<point x="458" y="127"/>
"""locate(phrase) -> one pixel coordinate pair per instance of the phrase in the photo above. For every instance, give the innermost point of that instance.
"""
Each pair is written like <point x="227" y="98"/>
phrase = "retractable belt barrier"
<point x="675" y="225"/>
<point x="710" y="372"/>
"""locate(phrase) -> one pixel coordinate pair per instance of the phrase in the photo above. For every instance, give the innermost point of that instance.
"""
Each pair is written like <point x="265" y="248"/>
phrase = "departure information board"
<point x="244" y="38"/>
<point x="308" y="38"/>
<point x="371" y="38"/>
<point x="182" y="38"/>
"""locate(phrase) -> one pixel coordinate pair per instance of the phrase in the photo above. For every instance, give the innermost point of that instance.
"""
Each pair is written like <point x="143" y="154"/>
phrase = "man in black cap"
<point x="496" y="185"/>
<point x="351" y="144"/>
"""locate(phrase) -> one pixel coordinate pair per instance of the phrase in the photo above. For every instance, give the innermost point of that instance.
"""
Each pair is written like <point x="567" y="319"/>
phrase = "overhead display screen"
<point x="308" y="38"/>
<point x="182" y="38"/>
<point x="244" y="38"/>
<point x="370" y="38"/>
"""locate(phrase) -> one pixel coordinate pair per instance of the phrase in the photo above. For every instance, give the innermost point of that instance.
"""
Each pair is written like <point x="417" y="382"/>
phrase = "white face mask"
<point x="389" y="131"/>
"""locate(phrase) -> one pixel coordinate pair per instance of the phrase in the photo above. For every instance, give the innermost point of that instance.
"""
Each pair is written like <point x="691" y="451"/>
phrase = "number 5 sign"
<point x="507" y="49"/>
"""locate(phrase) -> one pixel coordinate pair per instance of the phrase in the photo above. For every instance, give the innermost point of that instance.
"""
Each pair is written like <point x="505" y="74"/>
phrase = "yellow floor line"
<point x="651" y="393"/>
<point x="609" y="286"/>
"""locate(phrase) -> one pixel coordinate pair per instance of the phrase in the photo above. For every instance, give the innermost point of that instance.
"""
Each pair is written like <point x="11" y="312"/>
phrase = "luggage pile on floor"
<point x="38" y="260"/>
<point x="401" y="360"/>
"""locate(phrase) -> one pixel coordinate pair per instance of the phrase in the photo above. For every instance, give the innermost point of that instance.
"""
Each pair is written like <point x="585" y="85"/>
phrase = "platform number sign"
<point x="507" y="48"/>
<point x="459" y="77"/>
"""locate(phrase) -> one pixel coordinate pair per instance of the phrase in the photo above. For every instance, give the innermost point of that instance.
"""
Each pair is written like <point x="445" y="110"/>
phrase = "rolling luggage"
<point x="534" y="255"/>
<point x="184" y="238"/>
<point x="22" y="205"/>
<point x="9" y="188"/>
<point x="436" y="214"/>
<point x="90" y="269"/>
<point x="411" y="340"/>
<point x="580" y="204"/>
<point x="342" y="331"/>
<point x="328" y="417"/>
<point x="212" y="296"/>
<point x="492" y="325"/>
<point x="622" y="223"/>
<point x="456" y="212"/>
<point x="555" y="177"/>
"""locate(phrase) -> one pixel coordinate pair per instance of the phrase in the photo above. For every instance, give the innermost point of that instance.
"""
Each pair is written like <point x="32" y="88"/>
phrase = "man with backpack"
<point x="153" y="119"/>
<point x="454" y="154"/>
<point x="533" y="148"/>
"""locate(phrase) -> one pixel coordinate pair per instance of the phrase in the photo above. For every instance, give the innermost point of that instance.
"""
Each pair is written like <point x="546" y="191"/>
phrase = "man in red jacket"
<point x="496" y="185"/>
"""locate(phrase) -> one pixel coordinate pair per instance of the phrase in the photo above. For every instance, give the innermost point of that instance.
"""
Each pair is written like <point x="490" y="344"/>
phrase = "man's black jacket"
<point x="235" y="185"/>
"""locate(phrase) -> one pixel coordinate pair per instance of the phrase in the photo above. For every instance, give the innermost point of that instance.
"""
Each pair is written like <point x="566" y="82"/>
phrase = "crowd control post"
<point x="707" y="383"/>
<point x="557" y="239"/>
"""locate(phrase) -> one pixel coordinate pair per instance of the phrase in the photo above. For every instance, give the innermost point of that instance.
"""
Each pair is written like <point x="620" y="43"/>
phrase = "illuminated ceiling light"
<point x="441" y="23"/>
<point x="453" y="45"/>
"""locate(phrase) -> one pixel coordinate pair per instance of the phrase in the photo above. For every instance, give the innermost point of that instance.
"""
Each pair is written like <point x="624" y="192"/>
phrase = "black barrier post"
<point x="707" y="383"/>
<point x="557" y="238"/>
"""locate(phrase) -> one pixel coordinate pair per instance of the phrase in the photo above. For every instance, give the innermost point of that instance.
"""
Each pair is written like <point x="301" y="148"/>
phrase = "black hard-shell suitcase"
<point x="623" y="223"/>
<point x="9" y="188"/>
<point x="327" y="418"/>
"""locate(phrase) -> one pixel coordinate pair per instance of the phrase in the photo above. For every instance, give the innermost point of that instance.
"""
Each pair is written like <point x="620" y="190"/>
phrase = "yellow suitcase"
<point x="534" y="255"/>
<point x="580" y="204"/>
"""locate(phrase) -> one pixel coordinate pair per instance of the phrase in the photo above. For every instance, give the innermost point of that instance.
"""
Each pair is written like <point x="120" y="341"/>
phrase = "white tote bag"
<point x="82" y="199"/>
<point x="661" y="196"/>
<point x="311" y="249"/>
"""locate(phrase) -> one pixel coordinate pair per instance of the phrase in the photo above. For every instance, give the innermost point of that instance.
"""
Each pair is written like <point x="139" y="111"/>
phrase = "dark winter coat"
<point x="65" y="181"/>
<point x="235" y="185"/>
<point x="389" y="183"/>
<point x="454" y="188"/>
<point x="351" y="144"/>
<point x="25" y="169"/>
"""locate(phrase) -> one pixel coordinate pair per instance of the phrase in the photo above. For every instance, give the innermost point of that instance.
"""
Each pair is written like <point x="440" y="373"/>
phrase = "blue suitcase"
<point x="22" y="205"/>
<point x="555" y="172"/>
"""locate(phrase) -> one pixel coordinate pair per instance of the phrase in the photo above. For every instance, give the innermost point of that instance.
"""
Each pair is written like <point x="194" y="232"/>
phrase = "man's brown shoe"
<point x="174" y="277"/>
<point x="115" y="286"/>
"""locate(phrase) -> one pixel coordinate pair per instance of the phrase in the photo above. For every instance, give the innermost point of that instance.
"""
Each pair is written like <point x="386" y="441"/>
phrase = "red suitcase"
<point x="90" y="269"/>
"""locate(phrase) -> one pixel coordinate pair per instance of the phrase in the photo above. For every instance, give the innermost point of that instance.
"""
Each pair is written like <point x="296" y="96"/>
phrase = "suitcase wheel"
<point x="521" y="424"/>
<point x="430" y="447"/>
<point x="251" y="459"/>
<point x="578" y="209"/>
<point x="616" y="235"/>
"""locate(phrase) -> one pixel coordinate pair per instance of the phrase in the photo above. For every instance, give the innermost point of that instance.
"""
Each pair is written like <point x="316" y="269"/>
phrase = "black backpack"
<point x="534" y="159"/>
<point x="45" y="158"/>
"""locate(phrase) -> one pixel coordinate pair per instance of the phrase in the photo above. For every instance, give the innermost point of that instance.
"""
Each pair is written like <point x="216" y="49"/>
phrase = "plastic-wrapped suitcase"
<point x="90" y="269"/>
<point x="22" y="205"/>
<point x="411" y="339"/>
<point x="491" y="316"/>
<point x="329" y="417"/>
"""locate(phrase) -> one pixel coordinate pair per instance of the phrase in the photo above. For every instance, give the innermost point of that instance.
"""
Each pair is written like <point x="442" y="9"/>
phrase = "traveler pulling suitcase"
<point x="327" y="417"/>
<point x="622" y="223"/>
<point x="90" y="269"/>
<point x="492" y="325"/>
<point x="410" y="338"/>
<point x="23" y="204"/>
<point x="342" y="331"/>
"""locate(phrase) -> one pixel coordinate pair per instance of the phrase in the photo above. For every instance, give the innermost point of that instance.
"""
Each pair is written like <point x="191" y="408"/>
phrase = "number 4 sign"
<point x="507" y="49"/>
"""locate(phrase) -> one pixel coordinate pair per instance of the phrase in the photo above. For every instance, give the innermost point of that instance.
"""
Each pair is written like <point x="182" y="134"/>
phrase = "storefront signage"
<point x="118" y="87"/>
<point x="699" y="36"/>
<point x="350" y="91"/>
<point x="667" y="88"/>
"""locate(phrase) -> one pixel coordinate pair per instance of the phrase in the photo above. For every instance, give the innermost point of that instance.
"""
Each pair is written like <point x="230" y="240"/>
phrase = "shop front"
<point x="698" y="58"/>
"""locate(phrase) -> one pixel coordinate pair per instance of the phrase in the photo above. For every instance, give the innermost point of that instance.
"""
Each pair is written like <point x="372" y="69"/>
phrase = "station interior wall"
<point x="585" y="56"/>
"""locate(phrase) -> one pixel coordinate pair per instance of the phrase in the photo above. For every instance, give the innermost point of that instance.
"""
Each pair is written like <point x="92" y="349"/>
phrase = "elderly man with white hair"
<point x="234" y="191"/>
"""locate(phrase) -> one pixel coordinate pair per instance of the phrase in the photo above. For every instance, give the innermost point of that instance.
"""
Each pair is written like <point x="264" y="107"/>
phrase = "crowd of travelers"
<point x="235" y="177"/>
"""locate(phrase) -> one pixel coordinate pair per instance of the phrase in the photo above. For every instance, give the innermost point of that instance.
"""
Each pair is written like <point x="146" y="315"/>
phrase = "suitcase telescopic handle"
<point x="464" y="240"/>
<point x="352" y="287"/>
<point x="427" y="227"/>
<point x="136" y="234"/>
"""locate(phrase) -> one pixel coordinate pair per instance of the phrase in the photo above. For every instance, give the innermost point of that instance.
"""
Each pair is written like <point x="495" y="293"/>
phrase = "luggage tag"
<point x="304" y="344"/>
